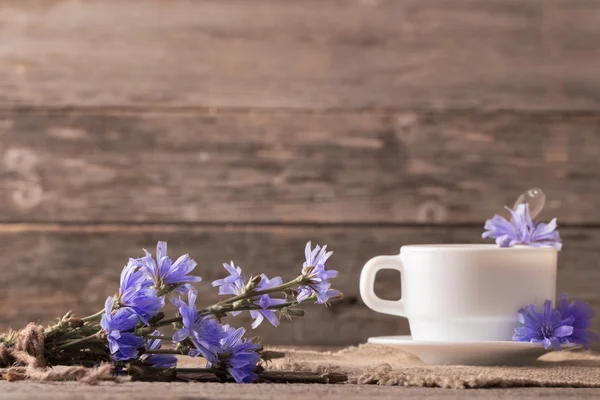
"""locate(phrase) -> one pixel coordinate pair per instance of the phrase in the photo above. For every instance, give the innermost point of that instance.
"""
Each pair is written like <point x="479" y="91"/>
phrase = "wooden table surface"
<point x="147" y="391"/>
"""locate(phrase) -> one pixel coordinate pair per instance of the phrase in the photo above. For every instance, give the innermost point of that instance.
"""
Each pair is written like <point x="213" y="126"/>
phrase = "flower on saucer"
<point x="522" y="230"/>
<point x="547" y="327"/>
<point x="582" y="314"/>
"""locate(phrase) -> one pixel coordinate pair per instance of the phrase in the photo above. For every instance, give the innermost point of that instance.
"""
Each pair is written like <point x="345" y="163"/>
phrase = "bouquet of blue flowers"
<point x="129" y="332"/>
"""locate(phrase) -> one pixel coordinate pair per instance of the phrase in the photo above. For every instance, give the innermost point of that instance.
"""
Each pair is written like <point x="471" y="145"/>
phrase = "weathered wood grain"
<point x="507" y="54"/>
<point x="47" y="269"/>
<point x="369" y="167"/>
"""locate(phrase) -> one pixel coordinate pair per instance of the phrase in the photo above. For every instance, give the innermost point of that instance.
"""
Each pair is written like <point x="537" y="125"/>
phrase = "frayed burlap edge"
<point x="90" y="376"/>
<point x="363" y="365"/>
<point x="28" y="349"/>
<point x="383" y="374"/>
<point x="27" y="362"/>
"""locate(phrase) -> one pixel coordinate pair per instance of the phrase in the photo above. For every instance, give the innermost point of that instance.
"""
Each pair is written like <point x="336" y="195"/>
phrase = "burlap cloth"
<point x="386" y="365"/>
<point x="374" y="364"/>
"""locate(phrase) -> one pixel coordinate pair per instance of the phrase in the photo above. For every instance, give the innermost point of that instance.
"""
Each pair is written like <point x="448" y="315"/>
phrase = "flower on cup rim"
<point x="522" y="230"/>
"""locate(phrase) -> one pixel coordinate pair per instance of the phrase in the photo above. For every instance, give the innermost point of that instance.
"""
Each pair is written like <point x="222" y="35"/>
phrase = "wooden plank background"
<point x="537" y="54"/>
<point x="294" y="167"/>
<point x="240" y="129"/>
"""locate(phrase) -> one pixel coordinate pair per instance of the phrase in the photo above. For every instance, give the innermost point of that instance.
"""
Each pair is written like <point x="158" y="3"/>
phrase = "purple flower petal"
<point x="236" y="356"/>
<point x="181" y="334"/>
<point x="166" y="272"/>
<point x="547" y="326"/>
<point x="258" y="318"/>
<point x="581" y="315"/>
<point x="521" y="230"/>
<point x="203" y="332"/>
<point x="563" y="331"/>
<point x="271" y="317"/>
<point x="316" y="276"/>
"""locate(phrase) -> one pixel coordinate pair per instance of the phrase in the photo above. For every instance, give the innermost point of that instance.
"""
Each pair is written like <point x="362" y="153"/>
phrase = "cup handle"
<point x="367" y="281"/>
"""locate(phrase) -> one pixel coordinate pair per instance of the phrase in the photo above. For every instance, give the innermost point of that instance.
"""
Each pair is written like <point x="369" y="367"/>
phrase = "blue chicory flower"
<point x="582" y="314"/>
<point x="122" y="343"/>
<point x="158" y="360"/>
<point x="136" y="292"/>
<point x="166" y="272"/>
<point x="547" y="327"/>
<point x="522" y="230"/>
<point x="235" y="284"/>
<point x="266" y="301"/>
<point x="203" y="332"/>
<point x="313" y="271"/>
<point x="236" y="355"/>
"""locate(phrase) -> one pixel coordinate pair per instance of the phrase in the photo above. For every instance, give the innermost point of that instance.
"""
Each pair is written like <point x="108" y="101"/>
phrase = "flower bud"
<point x="252" y="283"/>
<point x="237" y="304"/>
<point x="339" y="296"/>
<point x="306" y="274"/>
<point x="75" y="322"/>
<point x="292" y="312"/>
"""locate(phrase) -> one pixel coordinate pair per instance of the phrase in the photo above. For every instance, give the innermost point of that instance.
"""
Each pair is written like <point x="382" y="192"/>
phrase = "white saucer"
<point x="468" y="353"/>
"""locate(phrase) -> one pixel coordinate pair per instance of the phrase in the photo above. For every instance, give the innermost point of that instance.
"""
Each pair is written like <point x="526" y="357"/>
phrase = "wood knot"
<point x="431" y="212"/>
<point x="28" y="190"/>
<point x="407" y="128"/>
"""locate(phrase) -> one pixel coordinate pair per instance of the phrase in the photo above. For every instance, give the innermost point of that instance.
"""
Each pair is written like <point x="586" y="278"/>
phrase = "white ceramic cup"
<point x="464" y="292"/>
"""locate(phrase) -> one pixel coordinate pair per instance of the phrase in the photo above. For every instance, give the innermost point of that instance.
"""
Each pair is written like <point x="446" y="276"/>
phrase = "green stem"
<point x="151" y="328"/>
<point x="279" y="288"/>
<point x="53" y="329"/>
<point x="192" y="370"/>
<point x="302" y="377"/>
<point x="78" y="341"/>
<point x="217" y="308"/>
<point x="165" y="322"/>
<point x="251" y="307"/>
<point x="166" y="290"/>
<point x="164" y="351"/>
<point x="94" y="317"/>
<point x="208" y="311"/>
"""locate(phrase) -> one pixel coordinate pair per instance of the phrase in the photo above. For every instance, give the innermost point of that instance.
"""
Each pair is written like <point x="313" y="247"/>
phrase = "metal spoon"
<point x="535" y="198"/>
